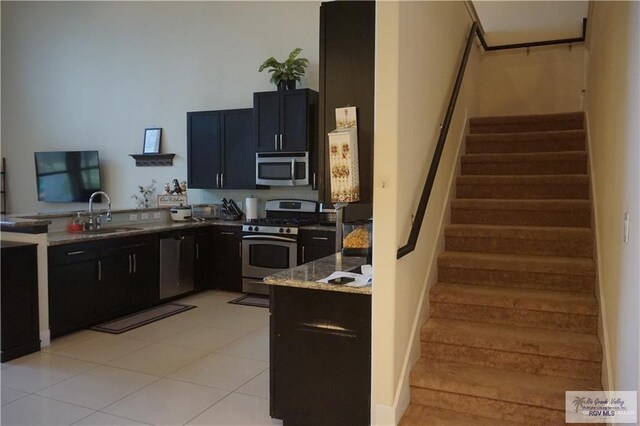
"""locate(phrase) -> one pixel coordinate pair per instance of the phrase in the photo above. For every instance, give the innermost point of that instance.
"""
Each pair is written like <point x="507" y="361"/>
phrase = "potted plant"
<point x="285" y="74"/>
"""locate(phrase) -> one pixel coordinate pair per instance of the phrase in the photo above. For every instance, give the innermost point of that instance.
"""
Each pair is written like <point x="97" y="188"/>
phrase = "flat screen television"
<point x="67" y="176"/>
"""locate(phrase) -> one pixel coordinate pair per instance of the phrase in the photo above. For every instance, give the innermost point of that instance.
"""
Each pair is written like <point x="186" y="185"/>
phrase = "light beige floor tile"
<point x="237" y="409"/>
<point x="167" y="402"/>
<point x="104" y="419"/>
<point x="41" y="370"/>
<point x="204" y="338"/>
<point x="221" y="371"/>
<point x="99" y="387"/>
<point x="70" y="339"/>
<point x="157" y="359"/>
<point x="35" y="410"/>
<point x="257" y="387"/>
<point x="243" y="321"/>
<point x="254" y="345"/>
<point x="10" y="395"/>
<point x="101" y="349"/>
<point x="162" y="329"/>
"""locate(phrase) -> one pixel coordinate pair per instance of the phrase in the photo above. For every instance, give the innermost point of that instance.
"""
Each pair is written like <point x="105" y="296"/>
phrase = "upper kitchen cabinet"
<point x="347" y="63"/>
<point x="285" y="120"/>
<point x="221" y="149"/>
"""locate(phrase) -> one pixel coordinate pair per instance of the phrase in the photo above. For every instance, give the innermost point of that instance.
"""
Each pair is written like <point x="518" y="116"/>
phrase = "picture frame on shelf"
<point x="152" y="138"/>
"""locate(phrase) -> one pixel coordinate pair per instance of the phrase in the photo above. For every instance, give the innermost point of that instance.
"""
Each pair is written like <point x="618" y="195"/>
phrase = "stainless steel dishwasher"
<point x="176" y="264"/>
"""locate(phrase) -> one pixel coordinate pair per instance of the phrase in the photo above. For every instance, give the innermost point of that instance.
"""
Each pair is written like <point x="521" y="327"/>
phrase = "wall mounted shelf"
<point x="146" y="160"/>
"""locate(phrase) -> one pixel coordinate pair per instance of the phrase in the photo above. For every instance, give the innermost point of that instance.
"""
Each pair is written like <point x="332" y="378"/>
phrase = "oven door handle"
<point x="268" y="238"/>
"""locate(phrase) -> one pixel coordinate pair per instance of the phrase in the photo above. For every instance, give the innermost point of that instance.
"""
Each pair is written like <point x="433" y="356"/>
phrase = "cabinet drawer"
<point x="227" y="232"/>
<point x="72" y="253"/>
<point x="318" y="238"/>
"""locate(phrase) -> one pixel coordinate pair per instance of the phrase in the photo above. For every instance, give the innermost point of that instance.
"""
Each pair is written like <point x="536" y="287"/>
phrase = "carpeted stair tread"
<point x="523" y="186"/>
<point x="569" y="213"/>
<point x="525" y="263"/>
<point x="499" y="297"/>
<point x="527" y="123"/>
<point x="496" y="384"/>
<point x="542" y="163"/>
<point x="422" y="415"/>
<point x="508" y="338"/>
<point x="552" y="141"/>
<point x="513" y="239"/>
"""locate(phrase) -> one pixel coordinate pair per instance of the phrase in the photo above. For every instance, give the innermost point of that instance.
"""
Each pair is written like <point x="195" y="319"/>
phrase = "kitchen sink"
<point x="111" y="230"/>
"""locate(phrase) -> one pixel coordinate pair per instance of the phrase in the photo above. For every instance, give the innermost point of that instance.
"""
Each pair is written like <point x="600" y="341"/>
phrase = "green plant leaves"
<point x="293" y="68"/>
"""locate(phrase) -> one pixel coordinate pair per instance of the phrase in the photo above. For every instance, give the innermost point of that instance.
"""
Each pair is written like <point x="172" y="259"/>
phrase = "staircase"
<point x="514" y="315"/>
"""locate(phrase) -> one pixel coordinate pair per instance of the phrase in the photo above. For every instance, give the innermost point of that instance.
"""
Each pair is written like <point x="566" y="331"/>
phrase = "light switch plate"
<point x="157" y="215"/>
<point x="144" y="216"/>
<point x="133" y="216"/>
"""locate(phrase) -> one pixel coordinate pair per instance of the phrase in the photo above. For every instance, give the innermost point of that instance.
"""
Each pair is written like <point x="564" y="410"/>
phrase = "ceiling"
<point x="507" y="22"/>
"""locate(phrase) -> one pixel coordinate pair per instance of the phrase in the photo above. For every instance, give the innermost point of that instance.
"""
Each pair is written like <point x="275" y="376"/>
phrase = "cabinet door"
<point x="203" y="149"/>
<point x="72" y="295"/>
<point x="144" y="276"/>
<point x="203" y="261"/>
<point x="227" y="259"/>
<point x="266" y="110"/>
<point x="316" y="245"/>
<point x="113" y="285"/>
<point x="294" y="120"/>
<point x="238" y="150"/>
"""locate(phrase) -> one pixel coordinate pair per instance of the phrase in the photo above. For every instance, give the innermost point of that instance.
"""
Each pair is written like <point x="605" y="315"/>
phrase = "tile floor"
<point x="205" y="366"/>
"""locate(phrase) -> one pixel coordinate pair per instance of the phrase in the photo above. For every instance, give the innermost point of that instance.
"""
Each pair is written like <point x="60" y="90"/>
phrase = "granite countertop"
<point x="327" y="228"/>
<point x="307" y="275"/>
<point x="19" y="222"/>
<point x="135" y="228"/>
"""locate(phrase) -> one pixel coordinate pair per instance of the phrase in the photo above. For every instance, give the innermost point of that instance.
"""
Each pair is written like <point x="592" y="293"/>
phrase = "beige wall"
<point x="544" y="80"/>
<point x="612" y="100"/>
<point x="93" y="75"/>
<point x="419" y="46"/>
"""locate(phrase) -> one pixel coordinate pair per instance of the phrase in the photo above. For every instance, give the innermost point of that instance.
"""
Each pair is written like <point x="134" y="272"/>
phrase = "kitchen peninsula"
<point x="320" y="345"/>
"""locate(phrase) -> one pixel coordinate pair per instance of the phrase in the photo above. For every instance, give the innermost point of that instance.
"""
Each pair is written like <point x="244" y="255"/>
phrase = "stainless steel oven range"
<point x="270" y="245"/>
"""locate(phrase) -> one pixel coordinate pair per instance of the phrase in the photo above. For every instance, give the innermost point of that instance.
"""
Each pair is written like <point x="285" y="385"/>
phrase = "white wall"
<point x="612" y="106"/>
<point x="94" y="75"/>
<point x="419" y="47"/>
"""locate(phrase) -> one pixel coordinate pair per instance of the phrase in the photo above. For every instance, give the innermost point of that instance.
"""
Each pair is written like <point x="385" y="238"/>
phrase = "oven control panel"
<point x="266" y="229"/>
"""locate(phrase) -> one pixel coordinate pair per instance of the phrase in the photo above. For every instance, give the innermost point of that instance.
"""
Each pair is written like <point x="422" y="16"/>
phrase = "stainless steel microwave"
<point x="282" y="168"/>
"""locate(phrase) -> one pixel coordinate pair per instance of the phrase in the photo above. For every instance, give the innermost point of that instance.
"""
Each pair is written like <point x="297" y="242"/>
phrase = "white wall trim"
<point x="607" y="368"/>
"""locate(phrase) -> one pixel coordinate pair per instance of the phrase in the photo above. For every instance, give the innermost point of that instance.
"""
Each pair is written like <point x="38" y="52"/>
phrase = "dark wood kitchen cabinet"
<point x="203" y="266"/>
<point x="19" y="300"/>
<point x="347" y="64"/>
<point x="320" y="375"/>
<point x="227" y="258"/>
<point x="285" y="120"/>
<point x="315" y="245"/>
<point x="97" y="281"/>
<point x="221" y="149"/>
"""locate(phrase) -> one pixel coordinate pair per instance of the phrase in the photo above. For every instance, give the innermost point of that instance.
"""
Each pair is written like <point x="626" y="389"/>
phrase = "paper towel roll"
<point x="251" y="208"/>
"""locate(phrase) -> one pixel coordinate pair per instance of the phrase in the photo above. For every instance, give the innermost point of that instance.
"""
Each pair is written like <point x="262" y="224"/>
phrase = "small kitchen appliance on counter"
<point x="181" y="213"/>
<point x="270" y="245"/>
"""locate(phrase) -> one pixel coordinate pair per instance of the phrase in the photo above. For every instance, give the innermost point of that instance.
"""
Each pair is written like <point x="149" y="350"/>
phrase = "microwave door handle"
<point x="293" y="171"/>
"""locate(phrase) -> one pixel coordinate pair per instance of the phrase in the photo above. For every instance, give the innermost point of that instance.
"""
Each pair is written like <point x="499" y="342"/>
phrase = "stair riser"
<point x="500" y="410"/>
<point x="513" y="361"/>
<point x="518" y="317"/>
<point x="574" y="219"/>
<point x="501" y="146"/>
<point x="517" y="279"/>
<point x="477" y="127"/>
<point x="525" y="168"/>
<point x="576" y="247"/>
<point x="534" y="191"/>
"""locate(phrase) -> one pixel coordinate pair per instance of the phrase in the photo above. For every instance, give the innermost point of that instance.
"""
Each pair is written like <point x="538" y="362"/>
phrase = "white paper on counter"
<point x="359" y="279"/>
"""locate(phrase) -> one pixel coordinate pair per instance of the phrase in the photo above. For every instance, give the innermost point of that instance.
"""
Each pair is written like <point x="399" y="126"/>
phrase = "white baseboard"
<point x="45" y="338"/>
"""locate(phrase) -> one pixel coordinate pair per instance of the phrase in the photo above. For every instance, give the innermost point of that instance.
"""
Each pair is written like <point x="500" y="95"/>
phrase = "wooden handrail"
<point x="444" y="129"/>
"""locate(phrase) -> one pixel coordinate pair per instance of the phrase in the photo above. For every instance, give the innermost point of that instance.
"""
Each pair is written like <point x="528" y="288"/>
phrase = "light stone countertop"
<point x="136" y="228"/>
<point x="307" y="275"/>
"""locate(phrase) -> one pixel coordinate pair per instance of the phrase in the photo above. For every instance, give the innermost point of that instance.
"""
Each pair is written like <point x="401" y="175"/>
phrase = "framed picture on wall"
<point x="152" y="140"/>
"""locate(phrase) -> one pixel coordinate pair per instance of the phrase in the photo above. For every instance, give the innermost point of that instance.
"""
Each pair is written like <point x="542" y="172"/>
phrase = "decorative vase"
<point x="286" y="85"/>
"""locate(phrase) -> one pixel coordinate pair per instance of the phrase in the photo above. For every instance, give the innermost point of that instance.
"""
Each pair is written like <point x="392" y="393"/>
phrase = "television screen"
<point x="67" y="176"/>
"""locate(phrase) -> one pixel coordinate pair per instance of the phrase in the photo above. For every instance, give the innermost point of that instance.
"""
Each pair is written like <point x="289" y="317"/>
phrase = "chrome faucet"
<point x="95" y="223"/>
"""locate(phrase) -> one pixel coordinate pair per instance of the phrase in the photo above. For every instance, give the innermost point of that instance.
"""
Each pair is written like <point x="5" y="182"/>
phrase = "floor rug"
<point x="139" y="319"/>
<point x="259" y="300"/>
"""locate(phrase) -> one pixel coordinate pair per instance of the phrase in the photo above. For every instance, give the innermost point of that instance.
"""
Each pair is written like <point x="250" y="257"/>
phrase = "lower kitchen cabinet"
<point x="203" y="267"/>
<point x="227" y="258"/>
<point x="97" y="281"/>
<point x="315" y="245"/>
<point x="19" y="333"/>
<point x="320" y="354"/>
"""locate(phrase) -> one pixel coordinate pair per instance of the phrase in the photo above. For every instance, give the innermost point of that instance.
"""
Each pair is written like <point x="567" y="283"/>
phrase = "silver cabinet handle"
<point x="73" y="253"/>
<point x="227" y="233"/>
<point x="275" y="142"/>
<point x="135" y="263"/>
<point x="130" y="264"/>
<point x="240" y="249"/>
<point x="320" y="238"/>
<point x="303" y="262"/>
<point x="217" y="180"/>
<point x="221" y="180"/>
<point x="293" y="171"/>
<point x="197" y="251"/>
<point x="99" y="270"/>
<point x="281" y="142"/>
<point x="314" y="186"/>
